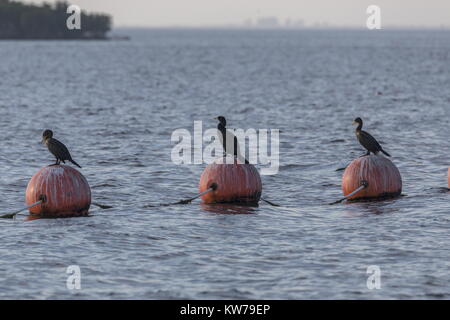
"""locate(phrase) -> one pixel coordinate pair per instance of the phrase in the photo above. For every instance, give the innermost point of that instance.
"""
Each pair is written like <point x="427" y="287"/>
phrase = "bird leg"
<point x="55" y="164"/>
<point x="365" y="154"/>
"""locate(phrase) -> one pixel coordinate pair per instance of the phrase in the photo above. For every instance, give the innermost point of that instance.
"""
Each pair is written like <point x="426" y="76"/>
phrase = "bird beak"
<point x="216" y="118"/>
<point x="354" y="122"/>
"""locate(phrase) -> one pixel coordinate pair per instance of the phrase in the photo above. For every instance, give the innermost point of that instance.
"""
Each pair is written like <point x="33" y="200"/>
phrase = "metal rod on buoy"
<point x="200" y="194"/>
<point x="364" y="184"/>
<point x="12" y="215"/>
<point x="213" y="187"/>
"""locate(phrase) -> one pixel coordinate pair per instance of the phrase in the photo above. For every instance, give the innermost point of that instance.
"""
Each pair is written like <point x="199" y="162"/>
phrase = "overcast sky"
<point x="163" y="13"/>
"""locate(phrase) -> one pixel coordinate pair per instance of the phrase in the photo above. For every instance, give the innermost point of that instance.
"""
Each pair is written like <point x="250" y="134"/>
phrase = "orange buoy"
<point x="64" y="190"/>
<point x="233" y="183"/>
<point x="383" y="178"/>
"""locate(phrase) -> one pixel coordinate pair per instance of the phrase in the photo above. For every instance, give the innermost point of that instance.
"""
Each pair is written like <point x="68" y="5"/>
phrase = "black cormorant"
<point x="366" y="140"/>
<point x="57" y="148"/>
<point x="225" y="135"/>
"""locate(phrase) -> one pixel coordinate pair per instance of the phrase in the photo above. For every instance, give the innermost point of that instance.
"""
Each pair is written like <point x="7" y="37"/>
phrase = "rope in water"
<point x="187" y="201"/>
<point x="12" y="215"/>
<point x="269" y="202"/>
<point x="213" y="187"/>
<point x="364" y="184"/>
<point x="102" y="206"/>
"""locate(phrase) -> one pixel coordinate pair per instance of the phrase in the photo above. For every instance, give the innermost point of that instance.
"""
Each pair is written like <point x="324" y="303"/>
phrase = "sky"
<point x="216" y="13"/>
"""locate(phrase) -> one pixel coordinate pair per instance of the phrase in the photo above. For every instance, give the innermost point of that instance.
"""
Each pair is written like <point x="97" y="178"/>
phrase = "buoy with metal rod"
<point x="235" y="183"/>
<point x="379" y="177"/>
<point x="64" y="190"/>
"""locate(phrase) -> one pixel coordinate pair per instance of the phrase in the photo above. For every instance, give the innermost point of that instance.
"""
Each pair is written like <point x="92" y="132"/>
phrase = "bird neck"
<point x="359" y="127"/>
<point x="221" y="127"/>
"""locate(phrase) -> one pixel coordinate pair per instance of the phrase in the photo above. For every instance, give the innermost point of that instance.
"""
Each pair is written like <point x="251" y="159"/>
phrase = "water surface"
<point x="115" y="105"/>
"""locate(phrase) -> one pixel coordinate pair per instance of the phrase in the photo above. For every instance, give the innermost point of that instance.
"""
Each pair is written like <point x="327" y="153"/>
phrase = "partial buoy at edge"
<point x="236" y="183"/>
<point x="383" y="178"/>
<point x="65" y="191"/>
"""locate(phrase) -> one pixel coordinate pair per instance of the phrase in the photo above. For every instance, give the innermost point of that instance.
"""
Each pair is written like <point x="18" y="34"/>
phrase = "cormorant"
<point x="57" y="148"/>
<point x="366" y="140"/>
<point x="225" y="135"/>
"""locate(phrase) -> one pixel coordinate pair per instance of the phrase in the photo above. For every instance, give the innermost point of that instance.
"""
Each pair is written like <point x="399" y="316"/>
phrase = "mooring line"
<point x="269" y="202"/>
<point x="213" y="187"/>
<point x="12" y="215"/>
<point x="102" y="206"/>
<point x="364" y="184"/>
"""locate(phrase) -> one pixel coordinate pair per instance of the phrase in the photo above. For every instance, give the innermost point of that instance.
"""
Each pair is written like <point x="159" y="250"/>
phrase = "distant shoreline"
<point x="25" y="21"/>
<point x="111" y="38"/>
<point x="311" y="28"/>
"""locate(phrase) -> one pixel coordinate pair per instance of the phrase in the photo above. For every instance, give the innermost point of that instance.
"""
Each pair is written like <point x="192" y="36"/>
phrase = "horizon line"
<point x="283" y="28"/>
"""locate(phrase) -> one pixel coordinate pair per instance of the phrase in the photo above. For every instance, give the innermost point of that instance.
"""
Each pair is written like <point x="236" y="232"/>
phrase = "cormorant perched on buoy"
<point x="366" y="140"/>
<point x="57" y="148"/>
<point x="225" y="136"/>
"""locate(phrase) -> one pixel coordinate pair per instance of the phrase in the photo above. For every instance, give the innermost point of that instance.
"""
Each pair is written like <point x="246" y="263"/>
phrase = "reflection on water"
<point x="221" y="208"/>
<point x="377" y="207"/>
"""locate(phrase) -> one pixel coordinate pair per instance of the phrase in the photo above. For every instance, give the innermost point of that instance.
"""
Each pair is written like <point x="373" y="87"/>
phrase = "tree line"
<point x="28" y="21"/>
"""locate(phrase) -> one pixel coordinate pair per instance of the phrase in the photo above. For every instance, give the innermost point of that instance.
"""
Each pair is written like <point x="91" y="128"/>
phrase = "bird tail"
<point x="385" y="153"/>
<point x="75" y="163"/>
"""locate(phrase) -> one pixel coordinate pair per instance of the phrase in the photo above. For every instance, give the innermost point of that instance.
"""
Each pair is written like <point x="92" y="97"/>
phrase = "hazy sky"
<point x="401" y="13"/>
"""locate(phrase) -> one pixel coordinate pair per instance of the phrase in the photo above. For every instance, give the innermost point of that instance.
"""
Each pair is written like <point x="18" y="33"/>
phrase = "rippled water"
<point x="115" y="104"/>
